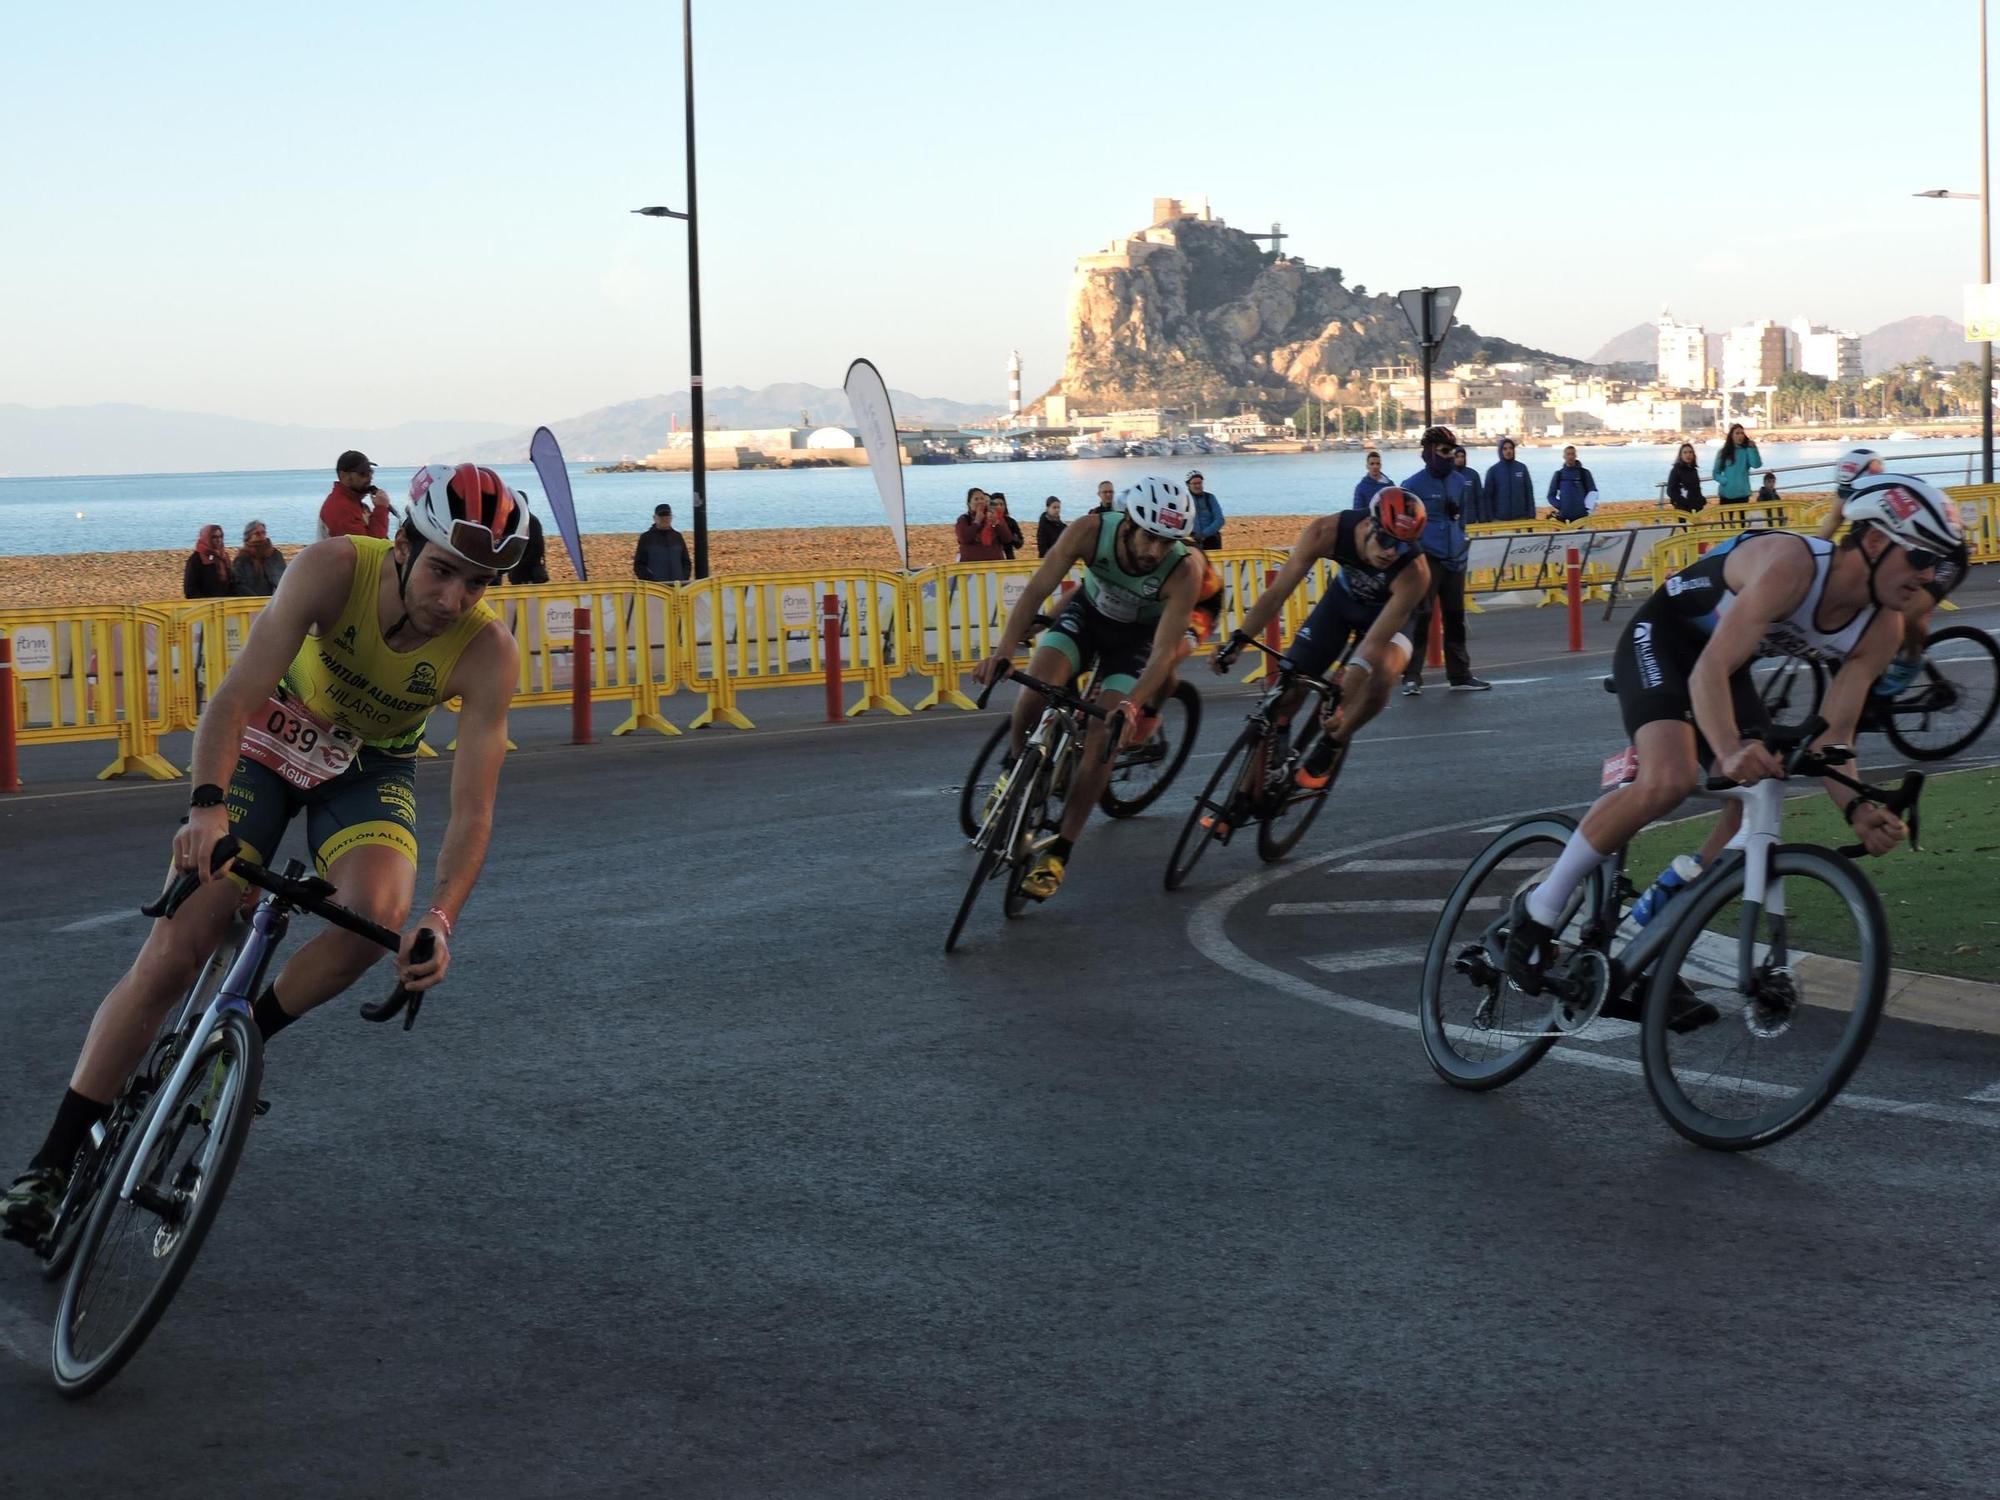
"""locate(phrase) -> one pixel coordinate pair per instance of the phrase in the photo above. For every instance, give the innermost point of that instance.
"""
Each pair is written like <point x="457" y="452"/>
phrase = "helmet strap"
<point x="1874" y="563"/>
<point x="403" y="571"/>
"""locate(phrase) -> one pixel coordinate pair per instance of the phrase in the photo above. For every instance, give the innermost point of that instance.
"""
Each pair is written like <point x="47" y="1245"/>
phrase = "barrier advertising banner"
<point x="547" y="458"/>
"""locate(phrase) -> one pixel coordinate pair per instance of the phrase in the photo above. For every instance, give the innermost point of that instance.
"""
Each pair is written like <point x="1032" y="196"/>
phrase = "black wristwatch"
<point x="208" y="794"/>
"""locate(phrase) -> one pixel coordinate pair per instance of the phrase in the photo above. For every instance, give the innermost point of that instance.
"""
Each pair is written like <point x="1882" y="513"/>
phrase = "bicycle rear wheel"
<point x="979" y="780"/>
<point x="1293" y="807"/>
<point x="1479" y="1030"/>
<point x="136" y="1251"/>
<point x="1951" y="704"/>
<point x="1818" y="976"/>
<point x="1141" y="774"/>
<point x="1222" y="799"/>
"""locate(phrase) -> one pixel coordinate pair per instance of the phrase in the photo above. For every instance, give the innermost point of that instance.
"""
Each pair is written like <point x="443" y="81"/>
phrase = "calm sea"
<point x="131" y="512"/>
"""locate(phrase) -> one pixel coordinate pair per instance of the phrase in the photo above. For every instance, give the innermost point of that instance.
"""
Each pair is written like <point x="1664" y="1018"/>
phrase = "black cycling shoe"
<point x="28" y="1207"/>
<point x="1531" y="948"/>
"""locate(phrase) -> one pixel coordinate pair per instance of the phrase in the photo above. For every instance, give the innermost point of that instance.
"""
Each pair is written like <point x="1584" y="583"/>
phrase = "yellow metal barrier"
<point x="635" y="655"/>
<point x="765" y="630"/>
<point x="94" y="673"/>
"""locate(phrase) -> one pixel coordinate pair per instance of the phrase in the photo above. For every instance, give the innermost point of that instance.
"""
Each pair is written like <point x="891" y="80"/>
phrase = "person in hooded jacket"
<point x="1572" y="490"/>
<point x="1475" y="501"/>
<point x="1684" y="482"/>
<point x="1510" y="492"/>
<point x="1444" y="489"/>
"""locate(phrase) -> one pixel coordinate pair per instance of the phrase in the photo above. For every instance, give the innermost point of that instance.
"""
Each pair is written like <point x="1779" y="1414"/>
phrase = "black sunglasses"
<point x="1922" y="557"/>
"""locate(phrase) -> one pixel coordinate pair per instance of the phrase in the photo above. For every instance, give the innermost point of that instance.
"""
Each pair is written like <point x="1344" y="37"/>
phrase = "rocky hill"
<point x="1192" y="313"/>
<point x="1909" y="339"/>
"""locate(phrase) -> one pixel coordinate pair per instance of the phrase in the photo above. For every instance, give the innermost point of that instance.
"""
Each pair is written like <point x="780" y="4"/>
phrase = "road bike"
<point x="1947" y="706"/>
<point x="1019" y="823"/>
<point x="1140" y="774"/>
<point x="1762" y="980"/>
<point x="150" y="1180"/>
<point x="1256" y="781"/>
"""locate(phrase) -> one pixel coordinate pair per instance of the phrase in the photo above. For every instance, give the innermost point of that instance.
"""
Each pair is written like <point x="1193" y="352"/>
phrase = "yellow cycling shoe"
<point x="1045" y="879"/>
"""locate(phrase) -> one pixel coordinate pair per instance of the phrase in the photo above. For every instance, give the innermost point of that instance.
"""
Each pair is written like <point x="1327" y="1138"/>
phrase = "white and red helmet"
<point x="1915" y="512"/>
<point x="1161" y="507"/>
<point x="469" y="512"/>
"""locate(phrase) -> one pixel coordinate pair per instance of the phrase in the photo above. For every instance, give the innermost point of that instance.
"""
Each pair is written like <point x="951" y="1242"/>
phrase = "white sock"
<point x="1547" y="900"/>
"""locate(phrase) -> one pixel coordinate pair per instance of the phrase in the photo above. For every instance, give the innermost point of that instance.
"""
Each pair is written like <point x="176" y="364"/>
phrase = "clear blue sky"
<point x="370" y="212"/>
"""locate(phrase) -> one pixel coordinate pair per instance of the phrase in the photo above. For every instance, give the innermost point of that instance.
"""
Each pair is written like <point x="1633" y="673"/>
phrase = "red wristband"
<point x="443" y="921"/>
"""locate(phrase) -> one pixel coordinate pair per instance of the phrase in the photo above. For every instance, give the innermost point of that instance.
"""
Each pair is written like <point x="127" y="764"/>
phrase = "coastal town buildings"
<point x="1830" y="353"/>
<point x="1753" y="355"/>
<point x="1681" y="353"/>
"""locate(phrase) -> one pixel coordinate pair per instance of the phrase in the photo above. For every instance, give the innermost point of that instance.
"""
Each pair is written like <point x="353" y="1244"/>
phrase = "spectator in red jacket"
<point x="980" y="538"/>
<point x="343" y="513"/>
<point x="206" y="573"/>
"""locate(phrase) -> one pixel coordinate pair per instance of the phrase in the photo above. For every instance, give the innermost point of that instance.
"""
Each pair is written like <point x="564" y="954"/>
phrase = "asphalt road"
<point x="707" y="1175"/>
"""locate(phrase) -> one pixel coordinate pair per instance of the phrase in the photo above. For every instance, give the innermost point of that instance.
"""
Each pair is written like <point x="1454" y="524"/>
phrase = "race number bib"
<point x="289" y="738"/>
<point x="1621" y="768"/>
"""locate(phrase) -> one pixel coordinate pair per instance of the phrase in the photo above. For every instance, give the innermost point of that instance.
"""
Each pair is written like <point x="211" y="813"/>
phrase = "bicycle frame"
<point x="268" y="925"/>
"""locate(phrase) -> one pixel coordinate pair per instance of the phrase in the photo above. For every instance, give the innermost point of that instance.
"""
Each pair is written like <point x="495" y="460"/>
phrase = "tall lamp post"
<point x="1985" y="200"/>
<point x="695" y="418"/>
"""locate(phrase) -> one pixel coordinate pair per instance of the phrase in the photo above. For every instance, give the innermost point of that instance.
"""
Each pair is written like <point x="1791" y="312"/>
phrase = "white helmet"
<point x="1915" y="512"/>
<point x="1853" y="464"/>
<point x="469" y="512"/>
<point x="1159" y="506"/>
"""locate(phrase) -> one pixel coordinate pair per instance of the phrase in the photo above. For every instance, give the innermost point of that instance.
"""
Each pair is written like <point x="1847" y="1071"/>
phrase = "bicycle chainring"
<point x="1580" y="991"/>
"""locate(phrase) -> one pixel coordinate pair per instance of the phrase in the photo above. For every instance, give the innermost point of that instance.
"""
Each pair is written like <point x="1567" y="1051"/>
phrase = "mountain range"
<point x="117" y="438"/>
<point x="1897" y="343"/>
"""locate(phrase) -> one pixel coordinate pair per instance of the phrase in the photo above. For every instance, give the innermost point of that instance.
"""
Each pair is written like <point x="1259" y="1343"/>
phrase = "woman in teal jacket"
<point x="1733" y="465"/>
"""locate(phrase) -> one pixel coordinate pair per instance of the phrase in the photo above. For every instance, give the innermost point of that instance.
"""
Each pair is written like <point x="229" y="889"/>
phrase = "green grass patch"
<point x="1943" y="918"/>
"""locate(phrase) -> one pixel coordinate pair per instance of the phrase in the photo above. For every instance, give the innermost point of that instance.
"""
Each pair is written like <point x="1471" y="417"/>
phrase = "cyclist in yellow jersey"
<point x="322" y="713"/>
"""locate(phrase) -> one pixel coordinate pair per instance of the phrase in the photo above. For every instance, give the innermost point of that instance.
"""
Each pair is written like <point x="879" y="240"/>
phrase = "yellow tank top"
<point x="350" y="676"/>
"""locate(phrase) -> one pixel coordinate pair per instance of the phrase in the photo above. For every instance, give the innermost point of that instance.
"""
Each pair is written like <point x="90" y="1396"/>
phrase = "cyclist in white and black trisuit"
<point x="1682" y="674"/>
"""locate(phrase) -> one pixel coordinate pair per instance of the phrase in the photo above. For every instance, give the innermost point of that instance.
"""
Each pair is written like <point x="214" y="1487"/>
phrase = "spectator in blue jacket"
<point x="1475" y="502"/>
<point x="1207" y="514"/>
<point x="1572" y="490"/>
<point x="1733" y="463"/>
<point x="1510" y="492"/>
<point x="1371" y="482"/>
<point x="1444" y="489"/>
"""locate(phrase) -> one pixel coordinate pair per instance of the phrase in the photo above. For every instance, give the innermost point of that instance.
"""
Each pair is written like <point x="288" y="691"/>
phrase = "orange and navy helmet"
<point x="1398" y="512"/>
<point x="469" y="512"/>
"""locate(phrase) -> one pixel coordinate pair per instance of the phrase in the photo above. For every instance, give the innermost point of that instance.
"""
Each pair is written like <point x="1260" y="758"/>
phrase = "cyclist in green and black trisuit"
<point x="1139" y="588"/>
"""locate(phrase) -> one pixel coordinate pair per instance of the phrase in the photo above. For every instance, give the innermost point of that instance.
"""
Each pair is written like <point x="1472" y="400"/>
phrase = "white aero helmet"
<point x="469" y="512"/>
<point x="1854" y="463"/>
<point x="1915" y="512"/>
<point x="1159" y="506"/>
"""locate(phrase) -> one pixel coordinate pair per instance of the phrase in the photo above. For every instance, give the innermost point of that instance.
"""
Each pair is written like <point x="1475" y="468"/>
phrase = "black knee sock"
<point x="269" y="1015"/>
<point x="74" y="1117"/>
<point x="1060" y="847"/>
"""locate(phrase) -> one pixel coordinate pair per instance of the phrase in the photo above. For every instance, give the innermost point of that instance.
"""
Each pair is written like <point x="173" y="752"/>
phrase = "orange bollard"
<point x="10" y="774"/>
<point x="830" y="650"/>
<point x="1575" y="570"/>
<point x="580" y="670"/>
<point x="1434" y="643"/>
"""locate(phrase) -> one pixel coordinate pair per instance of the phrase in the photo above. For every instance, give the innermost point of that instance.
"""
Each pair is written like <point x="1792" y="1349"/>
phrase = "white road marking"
<point x="1336" y="908"/>
<point x="1403" y="739"/>
<point x="1205" y="931"/>
<point x="1453" y="866"/>
<point x="1988" y="1095"/>
<point x="1366" y="958"/>
<point x="103" y="920"/>
<point x="1517" y="681"/>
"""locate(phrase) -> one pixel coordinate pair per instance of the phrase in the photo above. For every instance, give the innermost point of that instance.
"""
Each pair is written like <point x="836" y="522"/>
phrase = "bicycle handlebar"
<point x="1793" y="745"/>
<point x="309" y="895"/>
<point x="1062" y="697"/>
<point x="1227" y="653"/>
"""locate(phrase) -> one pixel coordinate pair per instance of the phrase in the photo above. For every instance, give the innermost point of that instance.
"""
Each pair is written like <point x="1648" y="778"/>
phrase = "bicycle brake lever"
<point x="405" y="1001"/>
<point x="182" y="884"/>
<point x="1006" y="668"/>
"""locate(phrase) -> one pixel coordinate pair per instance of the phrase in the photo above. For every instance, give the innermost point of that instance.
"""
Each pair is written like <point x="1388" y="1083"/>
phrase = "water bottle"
<point x="1684" y="869"/>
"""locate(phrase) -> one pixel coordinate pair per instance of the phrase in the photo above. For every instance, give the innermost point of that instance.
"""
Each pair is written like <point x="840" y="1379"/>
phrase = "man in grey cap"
<point x="343" y="512"/>
<point x="1207" y="514"/>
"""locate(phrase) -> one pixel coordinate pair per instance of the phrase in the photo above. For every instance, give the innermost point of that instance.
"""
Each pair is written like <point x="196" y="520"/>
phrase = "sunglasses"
<point x="1922" y="557"/>
<point x="474" y="543"/>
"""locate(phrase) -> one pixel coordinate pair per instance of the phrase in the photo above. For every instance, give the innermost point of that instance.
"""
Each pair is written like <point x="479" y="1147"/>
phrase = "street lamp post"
<point x="695" y="417"/>
<point x="1984" y="195"/>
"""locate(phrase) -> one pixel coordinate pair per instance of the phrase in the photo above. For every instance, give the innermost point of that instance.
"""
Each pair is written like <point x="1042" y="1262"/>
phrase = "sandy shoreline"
<point x="150" y="577"/>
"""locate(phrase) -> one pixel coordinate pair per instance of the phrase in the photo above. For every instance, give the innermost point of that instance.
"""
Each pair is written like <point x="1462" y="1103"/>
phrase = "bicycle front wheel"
<point x="1222" y="799"/>
<point x="1789" y="687"/>
<point x="1951" y="704"/>
<point x="979" y="780"/>
<point x="1141" y="773"/>
<point x="1031" y="825"/>
<point x="1816" y="977"/>
<point x="1293" y="807"/>
<point x="1479" y="1030"/>
<point x="136" y="1251"/>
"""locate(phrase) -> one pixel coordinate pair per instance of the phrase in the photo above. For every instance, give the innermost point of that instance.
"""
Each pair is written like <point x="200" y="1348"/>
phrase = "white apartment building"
<point x="1753" y="355"/>
<point x="1516" y="419"/>
<point x="1682" y="353"/>
<point x="1830" y="353"/>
